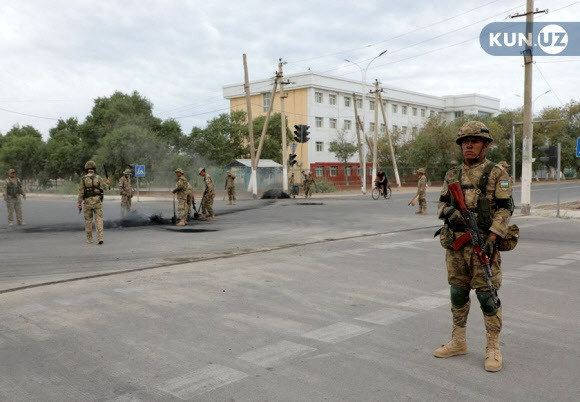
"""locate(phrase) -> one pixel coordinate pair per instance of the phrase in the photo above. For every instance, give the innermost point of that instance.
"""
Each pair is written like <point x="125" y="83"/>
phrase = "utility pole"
<point x="283" y="96"/>
<point x="360" y="146"/>
<point x="376" y="131"/>
<point x="395" y="169"/>
<point x="253" y="185"/>
<point x="528" y="127"/>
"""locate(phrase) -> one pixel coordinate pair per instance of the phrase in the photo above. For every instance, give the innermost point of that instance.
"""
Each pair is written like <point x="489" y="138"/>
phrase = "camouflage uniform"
<point x="464" y="271"/>
<point x="91" y="190"/>
<point x="190" y="200"/>
<point x="422" y="191"/>
<point x="13" y="192"/>
<point x="181" y="189"/>
<point x="126" y="192"/>
<point x="208" y="196"/>
<point x="231" y="188"/>
<point x="308" y="183"/>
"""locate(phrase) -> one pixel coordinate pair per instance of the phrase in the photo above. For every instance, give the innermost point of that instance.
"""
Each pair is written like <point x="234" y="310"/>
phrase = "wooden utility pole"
<point x="283" y="96"/>
<point x="395" y="169"/>
<point x="360" y="148"/>
<point x="253" y="185"/>
<point x="376" y="133"/>
<point x="265" y="128"/>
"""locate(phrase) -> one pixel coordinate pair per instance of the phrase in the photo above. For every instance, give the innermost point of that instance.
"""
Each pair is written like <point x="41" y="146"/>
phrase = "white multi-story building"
<point x="326" y="104"/>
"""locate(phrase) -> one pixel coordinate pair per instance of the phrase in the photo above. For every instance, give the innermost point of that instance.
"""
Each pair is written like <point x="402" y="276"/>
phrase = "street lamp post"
<point x="363" y="91"/>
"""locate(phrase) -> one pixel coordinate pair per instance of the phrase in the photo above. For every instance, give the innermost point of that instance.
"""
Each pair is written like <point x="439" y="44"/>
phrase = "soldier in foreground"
<point x="308" y="183"/>
<point x="13" y="192"/>
<point x="487" y="193"/>
<point x="181" y="189"/>
<point x="422" y="191"/>
<point x="231" y="187"/>
<point x="208" y="196"/>
<point x="126" y="192"/>
<point x="91" y="191"/>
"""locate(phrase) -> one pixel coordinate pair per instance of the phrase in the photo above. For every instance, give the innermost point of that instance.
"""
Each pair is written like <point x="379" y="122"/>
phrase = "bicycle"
<point x="378" y="192"/>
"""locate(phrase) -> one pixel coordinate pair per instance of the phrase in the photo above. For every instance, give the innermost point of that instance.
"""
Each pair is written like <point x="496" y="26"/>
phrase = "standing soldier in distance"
<point x="231" y="187"/>
<point x="180" y="190"/>
<point x="208" y="196"/>
<point x="308" y="183"/>
<point x="506" y="166"/>
<point x="487" y="192"/>
<point x="422" y="191"/>
<point x="126" y="192"/>
<point x="91" y="191"/>
<point x="13" y="191"/>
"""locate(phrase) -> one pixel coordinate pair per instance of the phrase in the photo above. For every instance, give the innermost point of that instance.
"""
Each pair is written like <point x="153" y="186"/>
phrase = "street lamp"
<point x="536" y="98"/>
<point x="363" y="91"/>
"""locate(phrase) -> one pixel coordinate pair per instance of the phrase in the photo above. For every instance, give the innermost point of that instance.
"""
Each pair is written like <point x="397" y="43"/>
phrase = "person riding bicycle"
<point x="381" y="182"/>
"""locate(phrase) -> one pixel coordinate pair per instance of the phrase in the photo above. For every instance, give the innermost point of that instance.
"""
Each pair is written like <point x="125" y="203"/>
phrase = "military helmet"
<point x="504" y="164"/>
<point x="201" y="169"/>
<point x="473" y="129"/>
<point x="179" y="170"/>
<point x="90" y="165"/>
<point x="11" y="171"/>
<point x="127" y="171"/>
<point x="421" y="170"/>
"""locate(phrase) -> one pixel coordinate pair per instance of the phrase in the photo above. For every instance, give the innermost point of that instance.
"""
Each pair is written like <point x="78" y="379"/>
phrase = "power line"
<point x="28" y="115"/>
<point x="549" y="86"/>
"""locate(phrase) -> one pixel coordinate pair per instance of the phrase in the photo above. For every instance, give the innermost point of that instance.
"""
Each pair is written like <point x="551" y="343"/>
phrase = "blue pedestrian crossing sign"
<point x="139" y="170"/>
<point x="578" y="147"/>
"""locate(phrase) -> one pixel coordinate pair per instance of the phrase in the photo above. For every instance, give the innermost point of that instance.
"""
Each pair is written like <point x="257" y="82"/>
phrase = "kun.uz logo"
<point x="546" y="38"/>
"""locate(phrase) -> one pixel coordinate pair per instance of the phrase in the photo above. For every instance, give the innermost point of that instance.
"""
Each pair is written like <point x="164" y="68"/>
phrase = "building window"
<point x="414" y="111"/>
<point x="319" y="171"/>
<point x="319" y="146"/>
<point x="404" y="109"/>
<point x="458" y="114"/>
<point x="348" y="171"/>
<point x="422" y="112"/>
<point x="481" y="113"/>
<point x="372" y="105"/>
<point x="395" y="127"/>
<point x="431" y="113"/>
<point x="333" y="171"/>
<point x="266" y="101"/>
<point x="394" y="108"/>
<point x="332" y="99"/>
<point x="372" y="127"/>
<point x="382" y="128"/>
<point x="359" y="170"/>
<point x="347" y="101"/>
<point x="318" y="122"/>
<point x="359" y="103"/>
<point x="404" y="129"/>
<point x="318" y="97"/>
<point x="414" y="130"/>
<point x="332" y="123"/>
<point x="347" y="125"/>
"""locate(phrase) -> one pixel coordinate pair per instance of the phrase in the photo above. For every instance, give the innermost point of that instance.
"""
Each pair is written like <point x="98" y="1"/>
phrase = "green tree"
<point x="272" y="148"/>
<point x="343" y="150"/>
<point x="23" y="150"/>
<point x="63" y="150"/>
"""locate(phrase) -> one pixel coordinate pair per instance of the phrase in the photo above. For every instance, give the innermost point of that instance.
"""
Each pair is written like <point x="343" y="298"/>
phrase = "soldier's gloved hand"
<point x="489" y="246"/>
<point x="453" y="216"/>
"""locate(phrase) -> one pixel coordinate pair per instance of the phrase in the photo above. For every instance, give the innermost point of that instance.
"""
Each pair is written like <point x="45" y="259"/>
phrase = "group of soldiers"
<point x="308" y="183"/>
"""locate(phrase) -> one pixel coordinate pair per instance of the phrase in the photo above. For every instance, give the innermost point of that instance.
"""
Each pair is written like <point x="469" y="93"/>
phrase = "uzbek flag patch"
<point x="504" y="184"/>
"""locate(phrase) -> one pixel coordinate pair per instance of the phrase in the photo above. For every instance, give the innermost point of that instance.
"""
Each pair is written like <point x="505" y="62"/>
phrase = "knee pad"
<point x="459" y="297"/>
<point x="487" y="305"/>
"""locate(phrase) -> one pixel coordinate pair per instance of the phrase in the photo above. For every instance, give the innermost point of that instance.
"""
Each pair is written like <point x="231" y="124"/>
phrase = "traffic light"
<point x="305" y="133"/>
<point x="552" y="155"/>
<point x="298" y="133"/>
<point x="292" y="161"/>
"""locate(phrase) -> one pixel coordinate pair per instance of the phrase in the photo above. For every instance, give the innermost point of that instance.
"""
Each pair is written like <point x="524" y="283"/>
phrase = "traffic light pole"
<point x="376" y="131"/>
<point x="283" y="124"/>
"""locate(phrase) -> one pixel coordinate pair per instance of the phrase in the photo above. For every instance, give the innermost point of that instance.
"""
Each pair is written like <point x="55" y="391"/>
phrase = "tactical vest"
<point x="92" y="189"/>
<point x="13" y="189"/>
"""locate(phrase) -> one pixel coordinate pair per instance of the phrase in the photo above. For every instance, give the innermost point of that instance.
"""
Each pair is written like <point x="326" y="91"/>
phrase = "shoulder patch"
<point x="504" y="184"/>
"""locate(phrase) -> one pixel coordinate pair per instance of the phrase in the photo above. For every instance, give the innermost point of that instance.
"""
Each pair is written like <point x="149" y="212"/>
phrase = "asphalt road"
<point x="335" y="298"/>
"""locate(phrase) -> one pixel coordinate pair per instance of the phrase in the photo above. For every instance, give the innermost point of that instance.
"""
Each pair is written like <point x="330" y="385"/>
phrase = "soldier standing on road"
<point x="293" y="190"/>
<point x="13" y="192"/>
<point x="126" y="192"/>
<point x="422" y="191"/>
<point x="180" y="190"/>
<point x="190" y="201"/>
<point x="231" y="187"/>
<point x="208" y="196"/>
<point x="91" y="191"/>
<point x="308" y="183"/>
<point x="487" y="192"/>
<point x="506" y="166"/>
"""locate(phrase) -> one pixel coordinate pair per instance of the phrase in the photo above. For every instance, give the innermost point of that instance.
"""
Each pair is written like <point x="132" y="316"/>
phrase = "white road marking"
<point x="336" y="332"/>
<point x="536" y="267"/>
<point x="443" y="292"/>
<point x="206" y="379"/>
<point x="386" y="316"/>
<point x="556" y="261"/>
<point x="425" y="302"/>
<point x="273" y="355"/>
<point x="570" y="256"/>
<point x="518" y="274"/>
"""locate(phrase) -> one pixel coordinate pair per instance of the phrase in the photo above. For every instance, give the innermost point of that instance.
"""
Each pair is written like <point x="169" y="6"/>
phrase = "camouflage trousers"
<point x="182" y="208"/>
<point x="207" y="203"/>
<point x="464" y="271"/>
<point x="125" y="204"/>
<point x="307" y="191"/>
<point x="93" y="207"/>
<point x="14" y="205"/>
<point x="231" y="193"/>
<point x="422" y="203"/>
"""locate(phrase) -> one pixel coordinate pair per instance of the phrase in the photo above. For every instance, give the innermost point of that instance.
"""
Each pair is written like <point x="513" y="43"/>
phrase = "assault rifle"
<point x="476" y="239"/>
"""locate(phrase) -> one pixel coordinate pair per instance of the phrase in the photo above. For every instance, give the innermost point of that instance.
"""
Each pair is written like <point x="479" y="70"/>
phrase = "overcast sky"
<point x="57" y="56"/>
